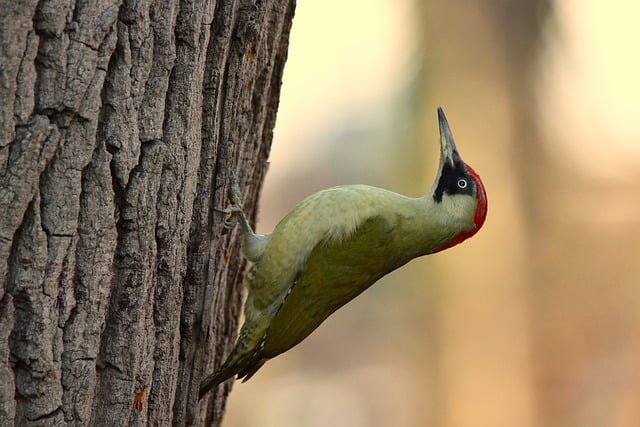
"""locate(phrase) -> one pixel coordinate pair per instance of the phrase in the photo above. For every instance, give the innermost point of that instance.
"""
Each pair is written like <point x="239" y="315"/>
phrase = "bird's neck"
<point x="436" y="226"/>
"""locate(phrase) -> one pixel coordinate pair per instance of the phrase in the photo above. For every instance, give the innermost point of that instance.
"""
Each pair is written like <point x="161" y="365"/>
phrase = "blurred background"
<point x="536" y="320"/>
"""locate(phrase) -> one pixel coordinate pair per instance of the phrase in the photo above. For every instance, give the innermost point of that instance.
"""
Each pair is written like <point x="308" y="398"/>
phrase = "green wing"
<point x="329" y="249"/>
<point x="334" y="274"/>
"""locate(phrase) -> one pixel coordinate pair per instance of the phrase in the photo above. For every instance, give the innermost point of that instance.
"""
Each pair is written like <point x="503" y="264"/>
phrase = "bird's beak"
<point x="448" y="151"/>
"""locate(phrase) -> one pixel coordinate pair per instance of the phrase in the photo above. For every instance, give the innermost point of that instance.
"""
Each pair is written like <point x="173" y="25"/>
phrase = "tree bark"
<point x="119" y="125"/>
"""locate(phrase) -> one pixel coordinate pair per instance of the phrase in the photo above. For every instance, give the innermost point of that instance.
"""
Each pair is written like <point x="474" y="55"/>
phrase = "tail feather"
<point x="250" y="369"/>
<point x="214" y="379"/>
<point x="244" y="368"/>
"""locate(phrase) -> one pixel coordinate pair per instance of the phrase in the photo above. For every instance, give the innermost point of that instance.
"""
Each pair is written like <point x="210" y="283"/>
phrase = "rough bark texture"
<point x="119" y="125"/>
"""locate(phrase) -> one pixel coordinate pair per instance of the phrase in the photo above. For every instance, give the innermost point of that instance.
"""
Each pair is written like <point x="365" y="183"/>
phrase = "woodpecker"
<point x="335" y="244"/>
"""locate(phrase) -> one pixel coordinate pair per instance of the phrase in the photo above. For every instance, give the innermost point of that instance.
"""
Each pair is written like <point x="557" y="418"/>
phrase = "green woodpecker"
<point x="337" y="243"/>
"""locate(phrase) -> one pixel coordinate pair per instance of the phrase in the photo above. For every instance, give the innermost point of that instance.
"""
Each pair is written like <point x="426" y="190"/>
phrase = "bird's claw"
<point x="235" y="209"/>
<point x="231" y="215"/>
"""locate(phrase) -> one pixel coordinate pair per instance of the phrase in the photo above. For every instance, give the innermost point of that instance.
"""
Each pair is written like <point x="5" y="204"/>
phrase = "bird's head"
<point x="458" y="193"/>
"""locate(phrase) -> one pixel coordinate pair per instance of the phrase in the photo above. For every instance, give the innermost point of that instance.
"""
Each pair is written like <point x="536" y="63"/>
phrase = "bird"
<point x="334" y="245"/>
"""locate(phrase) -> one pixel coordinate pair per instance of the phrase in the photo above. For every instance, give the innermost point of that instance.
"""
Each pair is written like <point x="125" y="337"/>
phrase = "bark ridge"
<point x="120" y="123"/>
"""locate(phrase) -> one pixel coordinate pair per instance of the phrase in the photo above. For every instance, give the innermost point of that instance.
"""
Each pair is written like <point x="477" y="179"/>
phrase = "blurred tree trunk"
<point x="119" y="124"/>
<point x="584" y="297"/>
<point x="571" y="253"/>
<point x="483" y="56"/>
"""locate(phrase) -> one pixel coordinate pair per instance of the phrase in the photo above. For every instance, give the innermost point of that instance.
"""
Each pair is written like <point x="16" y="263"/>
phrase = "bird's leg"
<point x="254" y="244"/>
<point x="235" y="195"/>
<point x="234" y="210"/>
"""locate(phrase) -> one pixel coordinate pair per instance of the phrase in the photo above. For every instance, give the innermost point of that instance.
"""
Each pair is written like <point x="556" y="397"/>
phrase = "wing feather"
<point x="329" y="249"/>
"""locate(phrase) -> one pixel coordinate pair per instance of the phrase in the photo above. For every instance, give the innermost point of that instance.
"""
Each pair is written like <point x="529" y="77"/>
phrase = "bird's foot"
<point x="234" y="211"/>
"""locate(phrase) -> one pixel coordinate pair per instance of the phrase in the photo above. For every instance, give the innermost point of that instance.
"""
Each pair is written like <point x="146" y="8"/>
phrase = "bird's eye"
<point x="462" y="183"/>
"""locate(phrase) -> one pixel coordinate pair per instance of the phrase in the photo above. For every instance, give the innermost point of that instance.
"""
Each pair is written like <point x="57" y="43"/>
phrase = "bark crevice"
<point x="120" y="289"/>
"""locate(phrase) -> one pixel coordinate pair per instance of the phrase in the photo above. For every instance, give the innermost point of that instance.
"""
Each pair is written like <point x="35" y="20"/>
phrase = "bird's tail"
<point x="244" y="368"/>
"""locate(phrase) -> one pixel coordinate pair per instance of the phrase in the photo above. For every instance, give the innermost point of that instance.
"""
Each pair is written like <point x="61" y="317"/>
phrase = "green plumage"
<point x="329" y="268"/>
<point x="329" y="249"/>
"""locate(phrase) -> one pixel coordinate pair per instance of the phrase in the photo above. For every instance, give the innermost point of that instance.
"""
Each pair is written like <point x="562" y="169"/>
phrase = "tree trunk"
<point x="119" y="125"/>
